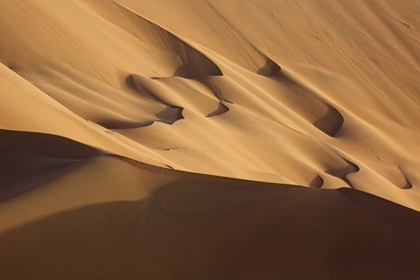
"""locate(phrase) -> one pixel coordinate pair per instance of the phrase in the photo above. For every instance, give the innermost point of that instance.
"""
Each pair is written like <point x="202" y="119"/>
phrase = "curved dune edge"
<point x="54" y="146"/>
<point x="195" y="226"/>
<point x="293" y="89"/>
<point x="188" y="225"/>
<point x="209" y="139"/>
<point x="69" y="151"/>
<point x="32" y="159"/>
<point x="343" y="172"/>
<point x="331" y="122"/>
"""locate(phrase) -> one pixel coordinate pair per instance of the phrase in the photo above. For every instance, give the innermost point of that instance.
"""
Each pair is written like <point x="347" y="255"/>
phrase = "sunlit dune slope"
<point x="284" y="92"/>
<point x="183" y="139"/>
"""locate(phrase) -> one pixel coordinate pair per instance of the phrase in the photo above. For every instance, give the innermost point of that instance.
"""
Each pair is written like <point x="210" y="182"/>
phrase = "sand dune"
<point x="202" y="227"/>
<point x="209" y="139"/>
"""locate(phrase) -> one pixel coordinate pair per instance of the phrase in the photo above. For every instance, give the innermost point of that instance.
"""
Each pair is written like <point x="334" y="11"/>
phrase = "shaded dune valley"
<point x="210" y="139"/>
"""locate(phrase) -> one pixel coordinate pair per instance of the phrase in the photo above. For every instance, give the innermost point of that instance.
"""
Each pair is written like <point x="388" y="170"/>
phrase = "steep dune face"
<point x="116" y="100"/>
<point x="324" y="77"/>
<point x="161" y="224"/>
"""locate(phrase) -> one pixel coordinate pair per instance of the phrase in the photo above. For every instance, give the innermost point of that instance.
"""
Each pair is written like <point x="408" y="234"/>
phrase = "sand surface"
<point x="209" y="139"/>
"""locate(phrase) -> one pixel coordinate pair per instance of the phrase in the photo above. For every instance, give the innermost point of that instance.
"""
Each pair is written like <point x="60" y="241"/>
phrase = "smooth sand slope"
<point x="115" y="218"/>
<point x="121" y="119"/>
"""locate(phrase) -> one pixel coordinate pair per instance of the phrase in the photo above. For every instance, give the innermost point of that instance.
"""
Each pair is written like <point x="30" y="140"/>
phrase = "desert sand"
<point x="209" y="139"/>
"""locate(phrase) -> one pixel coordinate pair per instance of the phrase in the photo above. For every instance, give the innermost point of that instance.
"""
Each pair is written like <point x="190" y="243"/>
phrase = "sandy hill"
<point x="209" y="139"/>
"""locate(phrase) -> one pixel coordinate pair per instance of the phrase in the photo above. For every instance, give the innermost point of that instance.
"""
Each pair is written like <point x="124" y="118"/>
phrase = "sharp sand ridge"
<point x="209" y="139"/>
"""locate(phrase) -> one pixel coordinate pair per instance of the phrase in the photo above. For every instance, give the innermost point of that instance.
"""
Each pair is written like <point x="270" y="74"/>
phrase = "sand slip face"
<point x="123" y="108"/>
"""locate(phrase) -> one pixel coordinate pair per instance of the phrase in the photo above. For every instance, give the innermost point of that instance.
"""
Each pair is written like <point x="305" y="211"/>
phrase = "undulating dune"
<point x="209" y="139"/>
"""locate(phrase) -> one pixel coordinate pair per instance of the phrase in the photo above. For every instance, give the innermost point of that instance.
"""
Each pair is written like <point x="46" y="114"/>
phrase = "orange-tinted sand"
<point x="209" y="139"/>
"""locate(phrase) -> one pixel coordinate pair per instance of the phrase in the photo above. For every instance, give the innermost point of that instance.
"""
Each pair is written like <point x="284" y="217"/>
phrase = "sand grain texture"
<point x="209" y="139"/>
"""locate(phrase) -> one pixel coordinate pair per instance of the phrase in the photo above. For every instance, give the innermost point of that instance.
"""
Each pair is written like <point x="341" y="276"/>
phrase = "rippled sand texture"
<point x="209" y="139"/>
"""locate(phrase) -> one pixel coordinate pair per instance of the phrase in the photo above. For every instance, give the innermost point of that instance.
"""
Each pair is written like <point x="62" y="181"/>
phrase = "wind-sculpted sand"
<point x="209" y="139"/>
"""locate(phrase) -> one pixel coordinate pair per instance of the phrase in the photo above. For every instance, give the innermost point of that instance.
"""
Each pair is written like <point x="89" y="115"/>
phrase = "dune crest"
<point x="209" y="138"/>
